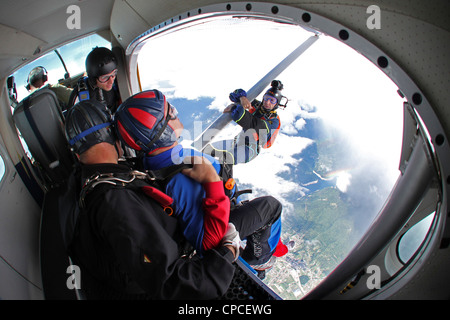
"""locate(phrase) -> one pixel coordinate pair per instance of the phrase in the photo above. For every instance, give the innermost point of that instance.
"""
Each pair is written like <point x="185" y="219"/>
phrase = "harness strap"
<point x="168" y="172"/>
<point x="135" y="180"/>
<point x="87" y="132"/>
<point x="83" y="89"/>
<point x="163" y="199"/>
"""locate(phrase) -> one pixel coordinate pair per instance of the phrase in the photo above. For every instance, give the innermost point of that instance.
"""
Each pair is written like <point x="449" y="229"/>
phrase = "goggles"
<point x="106" y="77"/>
<point x="173" y="112"/>
<point x="270" y="98"/>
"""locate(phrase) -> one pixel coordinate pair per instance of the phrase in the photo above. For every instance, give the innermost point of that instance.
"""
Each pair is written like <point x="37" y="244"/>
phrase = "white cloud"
<point x="264" y="171"/>
<point x="300" y="124"/>
<point x="343" y="181"/>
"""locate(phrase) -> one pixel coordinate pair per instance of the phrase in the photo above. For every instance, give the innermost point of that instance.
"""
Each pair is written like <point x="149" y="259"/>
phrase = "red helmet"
<point x="141" y="122"/>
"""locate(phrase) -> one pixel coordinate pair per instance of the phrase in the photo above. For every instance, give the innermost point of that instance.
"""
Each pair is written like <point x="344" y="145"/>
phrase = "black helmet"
<point x="88" y="123"/>
<point x="100" y="61"/>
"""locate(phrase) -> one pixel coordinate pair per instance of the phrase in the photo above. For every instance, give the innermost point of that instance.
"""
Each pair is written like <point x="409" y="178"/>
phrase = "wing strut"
<point x="209" y="133"/>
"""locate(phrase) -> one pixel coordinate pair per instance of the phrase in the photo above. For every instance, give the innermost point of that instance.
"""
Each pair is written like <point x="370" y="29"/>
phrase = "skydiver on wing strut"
<point x="259" y="121"/>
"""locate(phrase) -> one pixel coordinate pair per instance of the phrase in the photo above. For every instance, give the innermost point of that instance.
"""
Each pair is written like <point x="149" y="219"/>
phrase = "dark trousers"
<point x="253" y="220"/>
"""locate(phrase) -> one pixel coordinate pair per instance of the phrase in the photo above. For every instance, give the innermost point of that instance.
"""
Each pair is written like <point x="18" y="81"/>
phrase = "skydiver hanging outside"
<point x="147" y="123"/>
<point x="259" y="121"/>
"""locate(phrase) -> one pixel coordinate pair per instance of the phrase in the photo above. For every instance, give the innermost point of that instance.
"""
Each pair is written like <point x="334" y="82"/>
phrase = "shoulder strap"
<point x="165" y="174"/>
<point x="83" y="89"/>
<point x="134" y="180"/>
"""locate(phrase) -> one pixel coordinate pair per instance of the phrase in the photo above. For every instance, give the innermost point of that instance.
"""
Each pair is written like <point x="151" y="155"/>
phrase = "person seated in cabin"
<point x="37" y="79"/>
<point x="100" y="82"/>
<point x="117" y="232"/>
<point x="259" y="121"/>
<point x="149" y="124"/>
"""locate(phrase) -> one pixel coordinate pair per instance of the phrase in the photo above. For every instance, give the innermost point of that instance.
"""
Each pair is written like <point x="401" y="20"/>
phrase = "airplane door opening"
<point x="336" y="157"/>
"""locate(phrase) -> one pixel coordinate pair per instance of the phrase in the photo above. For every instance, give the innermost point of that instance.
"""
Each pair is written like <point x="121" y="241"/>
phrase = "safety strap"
<point x="159" y="133"/>
<point x="88" y="131"/>
<point x="135" y="180"/>
<point x="165" y="174"/>
<point x="161" y="178"/>
<point x="83" y="89"/>
<point x="226" y="173"/>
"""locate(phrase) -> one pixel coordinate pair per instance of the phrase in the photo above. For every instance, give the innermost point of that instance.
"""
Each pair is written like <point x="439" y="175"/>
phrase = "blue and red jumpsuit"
<point x="204" y="210"/>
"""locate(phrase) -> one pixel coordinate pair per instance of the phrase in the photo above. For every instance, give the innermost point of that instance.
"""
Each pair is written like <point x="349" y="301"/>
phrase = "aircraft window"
<point x="335" y="159"/>
<point x="411" y="241"/>
<point x="74" y="55"/>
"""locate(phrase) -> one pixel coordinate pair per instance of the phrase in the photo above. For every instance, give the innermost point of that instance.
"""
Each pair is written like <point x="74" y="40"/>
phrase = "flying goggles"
<point x="106" y="77"/>
<point x="274" y="101"/>
<point x="270" y="98"/>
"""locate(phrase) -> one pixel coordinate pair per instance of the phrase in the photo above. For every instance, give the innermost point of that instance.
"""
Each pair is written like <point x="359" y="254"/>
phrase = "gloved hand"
<point x="237" y="94"/>
<point x="232" y="238"/>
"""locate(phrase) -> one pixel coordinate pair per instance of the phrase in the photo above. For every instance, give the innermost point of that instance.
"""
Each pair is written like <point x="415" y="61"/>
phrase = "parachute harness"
<point x="134" y="179"/>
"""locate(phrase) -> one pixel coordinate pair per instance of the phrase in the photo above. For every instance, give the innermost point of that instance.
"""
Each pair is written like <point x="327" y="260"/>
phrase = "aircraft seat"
<point x="54" y="258"/>
<point x="41" y="123"/>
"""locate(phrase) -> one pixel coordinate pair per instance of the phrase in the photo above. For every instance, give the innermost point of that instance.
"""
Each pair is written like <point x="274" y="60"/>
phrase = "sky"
<point x="330" y="81"/>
